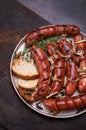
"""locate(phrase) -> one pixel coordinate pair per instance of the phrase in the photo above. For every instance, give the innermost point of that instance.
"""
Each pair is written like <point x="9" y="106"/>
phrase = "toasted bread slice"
<point x="25" y="94"/>
<point x="25" y="68"/>
<point x="28" y="84"/>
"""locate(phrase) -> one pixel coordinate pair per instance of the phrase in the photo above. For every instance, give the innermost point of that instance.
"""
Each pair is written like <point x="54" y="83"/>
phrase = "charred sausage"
<point x="80" y="47"/>
<point x="82" y="81"/>
<point x="82" y="44"/>
<point x="65" y="46"/>
<point x="66" y="103"/>
<point x="58" y="80"/>
<point x="58" y="71"/>
<point x="72" y="75"/>
<point x="43" y="66"/>
<point x="78" y="37"/>
<point x="51" y="47"/>
<point x="51" y="30"/>
<point x="82" y="84"/>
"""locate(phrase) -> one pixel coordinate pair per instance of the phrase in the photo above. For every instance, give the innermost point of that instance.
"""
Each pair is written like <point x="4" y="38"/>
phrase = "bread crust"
<point x="24" y="94"/>
<point x="28" y="84"/>
<point x="19" y="62"/>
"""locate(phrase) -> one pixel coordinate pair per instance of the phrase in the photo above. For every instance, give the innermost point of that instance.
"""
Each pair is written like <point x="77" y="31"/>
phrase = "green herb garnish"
<point x="25" y="51"/>
<point x="17" y="55"/>
<point x="43" y="43"/>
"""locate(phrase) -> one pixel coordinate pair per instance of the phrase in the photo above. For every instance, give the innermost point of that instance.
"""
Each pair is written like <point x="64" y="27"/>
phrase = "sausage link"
<point x="58" y="80"/>
<point x="81" y="45"/>
<point x="66" y="103"/>
<point x="51" y="30"/>
<point x="82" y="81"/>
<point x="56" y="86"/>
<point x="78" y="37"/>
<point x="82" y="66"/>
<point x="82" y="84"/>
<point x="51" y="47"/>
<point x="65" y="46"/>
<point x="58" y="72"/>
<point x="72" y="75"/>
<point x="43" y="66"/>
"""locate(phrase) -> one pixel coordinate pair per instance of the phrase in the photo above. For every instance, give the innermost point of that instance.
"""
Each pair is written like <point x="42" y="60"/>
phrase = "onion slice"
<point x="80" y="41"/>
<point x="69" y="55"/>
<point x="52" y="94"/>
<point x="73" y="80"/>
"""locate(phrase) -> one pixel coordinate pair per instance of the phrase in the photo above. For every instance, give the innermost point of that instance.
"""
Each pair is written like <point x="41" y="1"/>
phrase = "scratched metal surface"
<point x="15" y="22"/>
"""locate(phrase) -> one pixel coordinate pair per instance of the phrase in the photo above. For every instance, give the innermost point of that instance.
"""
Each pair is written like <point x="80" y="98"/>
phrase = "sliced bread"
<point x="25" y="94"/>
<point x="28" y="84"/>
<point x="25" y="68"/>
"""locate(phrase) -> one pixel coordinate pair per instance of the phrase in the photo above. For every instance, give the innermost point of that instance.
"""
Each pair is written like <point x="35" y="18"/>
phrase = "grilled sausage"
<point x="82" y="81"/>
<point x="82" y="84"/>
<point x="58" y="80"/>
<point x="58" y="71"/>
<point x="66" y="103"/>
<point x="78" y="37"/>
<point x="65" y="46"/>
<point x="82" y="66"/>
<point x="81" y="45"/>
<point x="51" y="30"/>
<point x="72" y="75"/>
<point x="43" y="66"/>
<point x="51" y="47"/>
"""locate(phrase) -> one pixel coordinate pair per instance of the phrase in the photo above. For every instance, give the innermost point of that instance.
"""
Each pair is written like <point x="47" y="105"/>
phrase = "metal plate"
<point x="44" y="111"/>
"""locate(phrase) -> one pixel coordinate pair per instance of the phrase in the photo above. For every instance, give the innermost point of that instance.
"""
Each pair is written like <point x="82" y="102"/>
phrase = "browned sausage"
<point x="51" y="30"/>
<point x="82" y="81"/>
<point x="66" y="103"/>
<point x="82" y="65"/>
<point x="78" y="37"/>
<point x="58" y="80"/>
<point x="51" y="47"/>
<point x="65" y="46"/>
<point x="72" y="75"/>
<point x="82" y="84"/>
<point x="81" y="45"/>
<point x="43" y="66"/>
<point x="58" y="71"/>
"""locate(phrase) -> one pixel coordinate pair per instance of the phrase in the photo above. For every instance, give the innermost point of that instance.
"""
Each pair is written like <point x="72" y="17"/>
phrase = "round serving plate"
<point x="41" y="109"/>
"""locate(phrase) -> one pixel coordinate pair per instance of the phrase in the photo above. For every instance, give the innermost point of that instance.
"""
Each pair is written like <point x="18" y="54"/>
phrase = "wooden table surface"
<point x="15" y="22"/>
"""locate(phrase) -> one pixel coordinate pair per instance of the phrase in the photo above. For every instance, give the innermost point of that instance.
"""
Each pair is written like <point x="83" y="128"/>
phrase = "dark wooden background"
<point x="15" y="22"/>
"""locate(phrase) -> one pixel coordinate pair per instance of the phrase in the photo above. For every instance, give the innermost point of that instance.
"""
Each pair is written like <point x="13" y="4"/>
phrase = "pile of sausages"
<point x="62" y="66"/>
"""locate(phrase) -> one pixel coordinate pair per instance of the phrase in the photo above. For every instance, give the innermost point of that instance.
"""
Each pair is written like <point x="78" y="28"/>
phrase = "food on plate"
<point x="24" y="68"/>
<point x="57" y="69"/>
<point x="27" y="84"/>
<point x="42" y="63"/>
<point x="66" y="103"/>
<point x="26" y="71"/>
<point x="27" y="95"/>
<point x="51" y="68"/>
<point x="51" y="30"/>
<point x="72" y="77"/>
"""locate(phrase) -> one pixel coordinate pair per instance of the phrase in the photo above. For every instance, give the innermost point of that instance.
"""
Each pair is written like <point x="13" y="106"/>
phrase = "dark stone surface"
<point x="15" y="22"/>
<point x="60" y="11"/>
